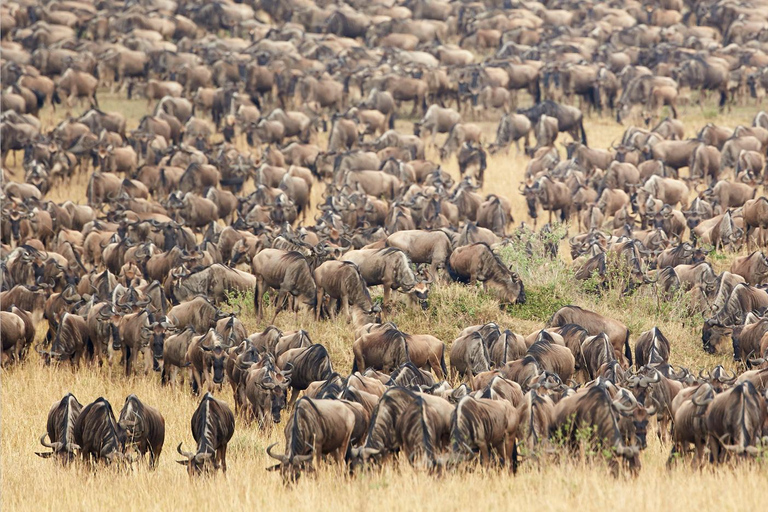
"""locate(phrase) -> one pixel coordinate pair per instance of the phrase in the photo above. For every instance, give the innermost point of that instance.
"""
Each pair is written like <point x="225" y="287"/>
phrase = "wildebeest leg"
<point x="698" y="460"/>
<point x="342" y="451"/>
<point x="319" y="304"/>
<point x="294" y="397"/>
<point x="147" y="360"/>
<point x="258" y="295"/>
<point x="195" y="381"/>
<point x="127" y="359"/>
<point x="434" y="363"/>
<point x="345" y="307"/>
<point x="282" y="298"/>
<point x="222" y="454"/>
<point x="485" y="455"/>
<point x="387" y="295"/>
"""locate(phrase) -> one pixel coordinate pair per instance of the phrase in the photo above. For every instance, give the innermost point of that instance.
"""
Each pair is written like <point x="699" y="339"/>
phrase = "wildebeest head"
<point x="112" y="314"/>
<point x="290" y="467"/>
<point x="627" y="405"/>
<point x="531" y="193"/>
<point x="157" y="330"/>
<point x="715" y="336"/>
<point x="196" y="463"/>
<point x="215" y="356"/>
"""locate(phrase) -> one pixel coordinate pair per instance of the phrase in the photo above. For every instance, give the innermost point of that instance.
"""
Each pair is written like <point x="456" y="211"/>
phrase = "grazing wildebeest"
<point x="391" y="268"/>
<point x="213" y="425"/>
<point x="342" y="282"/>
<point x="98" y="435"/>
<point x="489" y="427"/>
<point x="478" y="262"/>
<point x="317" y="428"/>
<point x="287" y="272"/>
<point x="734" y="422"/>
<point x="60" y="430"/>
<point x="144" y="428"/>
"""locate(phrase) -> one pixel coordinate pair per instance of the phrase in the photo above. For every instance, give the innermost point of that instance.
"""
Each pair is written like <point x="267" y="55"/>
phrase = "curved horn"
<point x="281" y="458"/>
<point x="188" y="455"/>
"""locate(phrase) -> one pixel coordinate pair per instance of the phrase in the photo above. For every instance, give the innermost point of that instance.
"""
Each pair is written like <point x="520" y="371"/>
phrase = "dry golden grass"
<point x="32" y="483"/>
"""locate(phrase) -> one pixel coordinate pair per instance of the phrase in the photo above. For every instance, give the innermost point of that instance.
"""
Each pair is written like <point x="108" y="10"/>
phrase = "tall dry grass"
<point x="32" y="483"/>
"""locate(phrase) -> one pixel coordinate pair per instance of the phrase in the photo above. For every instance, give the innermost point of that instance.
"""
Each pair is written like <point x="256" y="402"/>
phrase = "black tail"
<point x="455" y="276"/>
<point x="583" y="131"/>
<point x="40" y="98"/>
<point x="392" y="120"/>
<point x="443" y="367"/>
<point x="723" y="98"/>
<point x="354" y="366"/>
<point x="95" y="100"/>
<point x="55" y="98"/>
<point x="627" y="350"/>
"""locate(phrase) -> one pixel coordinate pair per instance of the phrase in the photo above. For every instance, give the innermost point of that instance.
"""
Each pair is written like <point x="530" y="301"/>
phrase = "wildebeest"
<point x="651" y="348"/>
<point x="594" y="323"/>
<point x="98" y="434"/>
<point x="316" y="428"/>
<point x="429" y="247"/>
<point x="60" y="429"/>
<point x="488" y="427"/>
<point x="383" y="349"/>
<point x="391" y="268"/>
<point x="734" y="422"/>
<point x="598" y="410"/>
<point x="342" y="282"/>
<point x="478" y="262"/>
<point x="287" y="272"/>
<point x="144" y="428"/>
<point x="213" y="425"/>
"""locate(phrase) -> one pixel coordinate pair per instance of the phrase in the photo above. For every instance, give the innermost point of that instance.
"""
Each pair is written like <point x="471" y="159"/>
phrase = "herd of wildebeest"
<point x="252" y="105"/>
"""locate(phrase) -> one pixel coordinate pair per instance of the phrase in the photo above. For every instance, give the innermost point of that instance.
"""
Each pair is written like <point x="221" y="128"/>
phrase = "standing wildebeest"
<point x="144" y="428"/>
<point x="303" y="366"/>
<point x="342" y="282"/>
<point x="469" y="355"/>
<point x="569" y="119"/>
<point x="477" y="262"/>
<point x="391" y="268"/>
<point x="72" y="339"/>
<point x="97" y="433"/>
<point x="512" y="127"/>
<point x="264" y="387"/>
<point x="317" y="428"/>
<point x="488" y="427"/>
<point x="691" y="424"/>
<point x="734" y="422"/>
<point x="595" y="408"/>
<point x="594" y="323"/>
<point x="287" y="272"/>
<point x="60" y="429"/>
<point x="381" y="349"/>
<point x="753" y="268"/>
<point x="552" y="195"/>
<point x="651" y="348"/>
<point x="755" y="214"/>
<point x="212" y="427"/>
<point x="217" y="282"/>
<point x="207" y="356"/>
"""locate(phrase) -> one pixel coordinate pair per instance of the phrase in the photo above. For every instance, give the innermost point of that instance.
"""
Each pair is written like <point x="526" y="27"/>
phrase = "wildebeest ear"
<point x="276" y="467"/>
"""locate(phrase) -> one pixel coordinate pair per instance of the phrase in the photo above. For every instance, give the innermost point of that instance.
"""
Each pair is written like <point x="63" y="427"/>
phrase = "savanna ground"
<point x="29" y="482"/>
